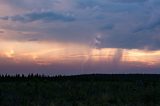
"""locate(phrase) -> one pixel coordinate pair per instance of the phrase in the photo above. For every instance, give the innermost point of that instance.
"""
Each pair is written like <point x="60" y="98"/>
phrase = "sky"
<point x="71" y="37"/>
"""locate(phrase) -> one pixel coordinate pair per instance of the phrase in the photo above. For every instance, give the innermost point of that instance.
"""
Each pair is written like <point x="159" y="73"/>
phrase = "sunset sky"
<point x="79" y="36"/>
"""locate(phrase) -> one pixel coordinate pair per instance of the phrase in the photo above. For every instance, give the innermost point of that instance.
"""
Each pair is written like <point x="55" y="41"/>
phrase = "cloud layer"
<point x="46" y="16"/>
<point x="121" y="23"/>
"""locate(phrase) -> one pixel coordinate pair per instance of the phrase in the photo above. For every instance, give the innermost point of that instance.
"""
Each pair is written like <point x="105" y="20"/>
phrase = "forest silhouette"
<point x="80" y="90"/>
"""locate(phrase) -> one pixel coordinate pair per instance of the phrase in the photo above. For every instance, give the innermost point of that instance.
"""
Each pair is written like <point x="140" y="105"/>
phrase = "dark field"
<point x="83" y="90"/>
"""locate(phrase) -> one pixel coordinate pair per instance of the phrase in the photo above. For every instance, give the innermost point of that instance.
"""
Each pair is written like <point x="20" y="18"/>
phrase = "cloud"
<point x="129" y="1"/>
<point x="107" y="27"/>
<point x="122" y="23"/>
<point x="152" y="24"/>
<point x="1" y="31"/>
<point x="47" y="16"/>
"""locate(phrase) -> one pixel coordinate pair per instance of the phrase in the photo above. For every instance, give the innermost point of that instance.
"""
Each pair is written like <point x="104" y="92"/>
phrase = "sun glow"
<point x="10" y="54"/>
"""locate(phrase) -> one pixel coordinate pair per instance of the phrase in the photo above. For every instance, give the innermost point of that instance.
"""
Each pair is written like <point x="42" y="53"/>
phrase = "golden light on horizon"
<point x="45" y="53"/>
<point x="148" y="57"/>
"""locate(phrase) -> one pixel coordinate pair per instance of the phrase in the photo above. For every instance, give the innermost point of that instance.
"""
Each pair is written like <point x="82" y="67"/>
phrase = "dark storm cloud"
<point x="107" y="27"/>
<point x="131" y="42"/>
<point x="47" y="16"/>
<point x="151" y="27"/>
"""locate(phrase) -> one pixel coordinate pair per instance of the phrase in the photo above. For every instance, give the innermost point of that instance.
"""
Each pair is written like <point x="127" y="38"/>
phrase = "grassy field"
<point x="83" y="90"/>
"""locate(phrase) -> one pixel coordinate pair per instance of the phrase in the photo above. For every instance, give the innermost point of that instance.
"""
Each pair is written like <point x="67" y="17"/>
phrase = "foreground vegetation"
<point x="83" y="90"/>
